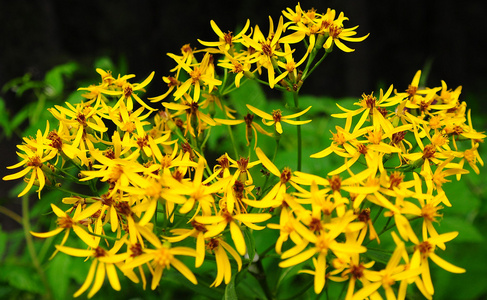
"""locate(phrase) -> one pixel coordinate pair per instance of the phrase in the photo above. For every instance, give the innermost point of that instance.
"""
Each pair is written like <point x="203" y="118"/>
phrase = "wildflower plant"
<point x="169" y="183"/>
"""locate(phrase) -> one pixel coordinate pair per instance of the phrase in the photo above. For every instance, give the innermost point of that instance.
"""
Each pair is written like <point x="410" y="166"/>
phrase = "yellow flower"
<point x="217" y="223"/>
<point x="267" y="49"/>
<point x="226" y="40"/>
<point x="340" y="141"/>
<point x="162" y="257"/>
<point x="290" y="66"/>
<point x="388" y="277"/>
<point x="337" y="33"/>
<point x="33" y="162"/>
<point x="275" y="196"/>
<point x="371" y="107"/>
<point x="199" y="194"/>
<point x="128" y="121"/>
<point x="224" y="271"/>
<point x="80" y="120"/>
<point x="146" y="143"/>
<point x="215" y="245"/>
<point x="193" y="114"/>
<point x="323" y="242"/>
<point x="294" y="17"/>
<point x="172" y="83"/>
<point x="251" y="127"/>
<point x="198" y="74"/>
<point x="65" y="223"/>
<point x="276" y="118"/>
<point x="414" y="92"/>
<point x="471" y="156"/>
<point x="60" y="140"/>
<point x="104" y="262"/>
<point x="197" y="232"/>
<point x="128" y="92"/>
<point x="240" y="65"/>
<point x="119" y="172"/>
<point x="286" y="230"/>
<point x="425" y="250"/>
<point x="353" y="269"/>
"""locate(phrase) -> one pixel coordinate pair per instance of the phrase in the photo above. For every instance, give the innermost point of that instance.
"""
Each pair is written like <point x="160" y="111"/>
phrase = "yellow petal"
<point x="85" y="236"/>
<point x="297" y="259"/>
<point x="113" y="277"/>
<point x="297" y="114"/>
<point x="267" y="163"/>
<point x="233" y="253"/>
<point x="59" y="212"/>
<point x="47" y="234"/>
<point x="445" y="265"/>
<point x="99" y="279"/>
<point x="183" y="269"/>
<point x="18" y="174"/>
<point x="149" y="213"/>
<point x="28" y="186"/>
<point x="342" y="46"/>
<point x="253" y="218"/>
<point x="320" y="273"/>
<point x="149" y="235"/>
<point x="145" y="82"/>
<point x="366" y="291"/>
<point x="88" y="212"/>
<point x="259" y="112"/>
<point x="88" y="280"/>
<point x="75" y="251"/>
<point x="238" y="238"/>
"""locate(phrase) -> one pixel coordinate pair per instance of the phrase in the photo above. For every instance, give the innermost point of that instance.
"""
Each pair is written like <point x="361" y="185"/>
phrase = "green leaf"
<point x="250" y="92"/>
<point x="3" y="242"/>
<point x="22" y="277"/>
<point x="230" y="291"/>
<point x="467" y="232"/>
<point x="378" y="255"/>
<point x="20" y="117"/>
<point x="104" y="63"/>
<point x="54" y="77"/>
<point x="4" y="119"/>
<point x="250" y="242"/>
<point x="60" y="264"/>
<point x="28" y="86"/>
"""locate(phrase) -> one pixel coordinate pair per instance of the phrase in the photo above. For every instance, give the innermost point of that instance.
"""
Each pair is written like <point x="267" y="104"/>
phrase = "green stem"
<point x="11" y="214"/>
<point x="277" y="87"/>
<point x="230" y="132"/>
<point x="261" y="277"/>
<point x="378" y="214"/>
<point x="31" y="248"/>
<point x="105" y="236"/>
<point x="70" y="192"/>
<point x="301" y="291"/>
<point x="296" y="105"/>
<point x="264" y="186"/>
<point x="315" y="66"/>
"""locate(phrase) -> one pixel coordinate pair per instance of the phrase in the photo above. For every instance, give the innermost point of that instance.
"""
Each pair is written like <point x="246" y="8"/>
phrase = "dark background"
<point x="404" y="37"/>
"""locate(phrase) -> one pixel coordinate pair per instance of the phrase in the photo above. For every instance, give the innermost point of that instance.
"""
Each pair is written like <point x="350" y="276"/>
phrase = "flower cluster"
<point x="148" y="197"/>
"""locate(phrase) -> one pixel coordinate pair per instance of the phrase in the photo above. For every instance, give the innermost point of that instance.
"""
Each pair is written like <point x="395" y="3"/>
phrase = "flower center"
<point x="429" y="151"/>
<point x="163" y="257"/>
<point x="276" y="115"/>
<point x="65" y="222"/>
<point x="335" y="183"/>
<point x="430" y="212"/>
<point x="35" y="162"/>
<point x="286" y="175"/>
